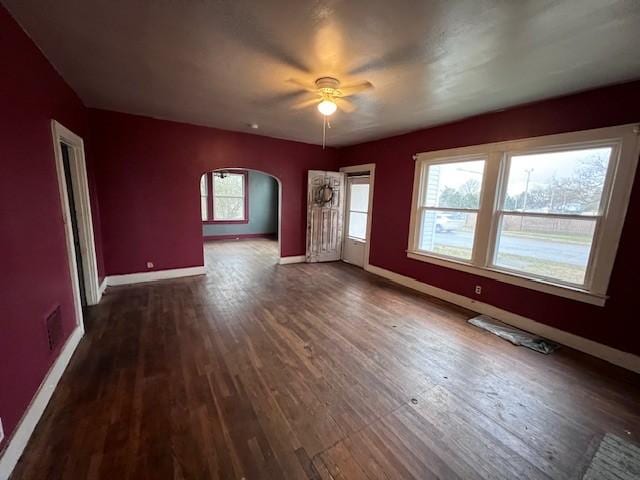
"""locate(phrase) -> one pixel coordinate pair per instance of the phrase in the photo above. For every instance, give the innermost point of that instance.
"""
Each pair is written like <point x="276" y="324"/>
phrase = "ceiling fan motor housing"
<point x="328" y="86"/>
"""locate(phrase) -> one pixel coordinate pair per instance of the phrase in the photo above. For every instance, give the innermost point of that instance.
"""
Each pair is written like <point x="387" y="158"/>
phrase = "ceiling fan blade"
<point x="404" y="55"/>
<point x="304" y="86"/>
<point x="305" y="104"/>
<point x="279" y="99"/>
<point x="355" y="88"/>
<point x="345" y="105"/>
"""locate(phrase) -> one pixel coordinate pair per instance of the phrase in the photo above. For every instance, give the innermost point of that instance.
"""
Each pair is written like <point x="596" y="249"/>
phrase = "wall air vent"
<point x="53" y="325"/>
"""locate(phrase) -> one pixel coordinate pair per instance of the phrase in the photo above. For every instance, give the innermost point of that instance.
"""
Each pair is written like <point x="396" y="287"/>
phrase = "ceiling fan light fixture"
<point x="327" y="107"/>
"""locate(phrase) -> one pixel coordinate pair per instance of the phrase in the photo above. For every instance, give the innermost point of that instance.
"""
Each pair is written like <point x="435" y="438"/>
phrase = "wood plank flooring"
<point x="262" y="371"/>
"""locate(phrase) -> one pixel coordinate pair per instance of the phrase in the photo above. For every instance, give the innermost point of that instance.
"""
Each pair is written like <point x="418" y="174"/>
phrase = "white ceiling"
<point x="226" y="63"/>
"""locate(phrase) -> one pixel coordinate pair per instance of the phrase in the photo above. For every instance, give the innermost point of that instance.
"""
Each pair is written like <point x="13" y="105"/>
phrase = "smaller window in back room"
<point x="204" y="197"/>
<point x="223" y="197"/>
<point x="228" y="196"/>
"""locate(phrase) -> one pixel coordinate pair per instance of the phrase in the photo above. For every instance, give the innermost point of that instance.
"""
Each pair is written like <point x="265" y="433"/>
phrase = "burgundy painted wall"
<point x="35" y="274"/>
<point x="614" y="324"/>
<point x="148" y="174"/>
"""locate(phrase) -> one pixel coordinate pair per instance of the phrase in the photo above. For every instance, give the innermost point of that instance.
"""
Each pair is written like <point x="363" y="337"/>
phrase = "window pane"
<point x="568" y="182"/>
<point x="554" y="248"/>
<point x="228" y="208"/>
<point x="448" y="233"/>
<point x="204" y="208"/>
<point x="359" y="199"/>
<point x="232" y="184"/>
<point x="358" y="225"/>
<point x="203" y="184"/>
<point x="454" y="185"/>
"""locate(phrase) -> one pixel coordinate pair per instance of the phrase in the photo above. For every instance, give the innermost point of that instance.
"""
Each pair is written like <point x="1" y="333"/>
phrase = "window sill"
<point x="357" y="240"/>
<point x="224" y="222"/>
<point x="514" y="279"/>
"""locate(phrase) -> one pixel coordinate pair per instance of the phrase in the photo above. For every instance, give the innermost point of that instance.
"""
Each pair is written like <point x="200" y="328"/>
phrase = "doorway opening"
<point x="73" y="217"/>
<point x="357" y="220"/>
<point x="240" y="213"/>
<point x="76" y="212"/>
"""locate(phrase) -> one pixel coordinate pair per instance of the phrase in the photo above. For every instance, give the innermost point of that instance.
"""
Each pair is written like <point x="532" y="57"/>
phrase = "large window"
<point x="549" y="212"/>
<point x="449" y="207"/>
<point x="225" y="197"/>
<point x="544" y="213"/>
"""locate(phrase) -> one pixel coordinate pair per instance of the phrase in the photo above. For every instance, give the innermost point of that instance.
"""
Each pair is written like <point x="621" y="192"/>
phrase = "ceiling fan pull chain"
<point x="324" y="131"/>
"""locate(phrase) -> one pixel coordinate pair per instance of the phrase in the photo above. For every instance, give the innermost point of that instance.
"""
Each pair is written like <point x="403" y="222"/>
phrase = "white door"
<point x="325" y="211"/>
<point x="357" y="214"/>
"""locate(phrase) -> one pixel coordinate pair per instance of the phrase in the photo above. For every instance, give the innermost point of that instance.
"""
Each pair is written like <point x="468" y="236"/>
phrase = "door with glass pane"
<point x="357" y="214"/>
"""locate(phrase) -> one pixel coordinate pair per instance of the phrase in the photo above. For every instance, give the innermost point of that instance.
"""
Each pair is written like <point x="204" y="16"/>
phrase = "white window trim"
<point x="606" y="239"/>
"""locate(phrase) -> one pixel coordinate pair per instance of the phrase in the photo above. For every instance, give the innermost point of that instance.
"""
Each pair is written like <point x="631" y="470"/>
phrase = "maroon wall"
<point x="148" y="175"/>
<point x="148" y="171"/>
<point x="35" y="275"/>
<point x="614" y="324"/>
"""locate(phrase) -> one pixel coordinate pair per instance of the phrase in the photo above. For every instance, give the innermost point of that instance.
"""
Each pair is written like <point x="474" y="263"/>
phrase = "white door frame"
<point x="371" y="168"/>
<point x="80" y="188"/>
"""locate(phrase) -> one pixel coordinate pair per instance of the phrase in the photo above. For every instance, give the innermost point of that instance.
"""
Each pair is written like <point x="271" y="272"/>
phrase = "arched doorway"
<point x="240" y="205"/>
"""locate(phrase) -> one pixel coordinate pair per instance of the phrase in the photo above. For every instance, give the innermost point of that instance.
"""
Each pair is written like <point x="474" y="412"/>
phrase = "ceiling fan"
<point x="329" y="96"/>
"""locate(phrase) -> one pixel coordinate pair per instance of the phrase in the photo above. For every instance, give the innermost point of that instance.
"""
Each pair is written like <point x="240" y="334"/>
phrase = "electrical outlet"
<point x="149" y="264"/>
<point x="478" y="290"/>
<point x="1" y="431"/>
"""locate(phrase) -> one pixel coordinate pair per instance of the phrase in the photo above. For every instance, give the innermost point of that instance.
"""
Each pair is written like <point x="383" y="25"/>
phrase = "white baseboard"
<point x="30" y="419"/>
<point x="102" y="288"/>
<point x="142" y="277"/>
<point x="604" y="352"/>
<point x="293" y="259"/>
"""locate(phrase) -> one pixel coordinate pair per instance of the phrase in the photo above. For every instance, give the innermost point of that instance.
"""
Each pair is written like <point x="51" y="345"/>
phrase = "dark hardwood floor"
<point x="315" y="372"/>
